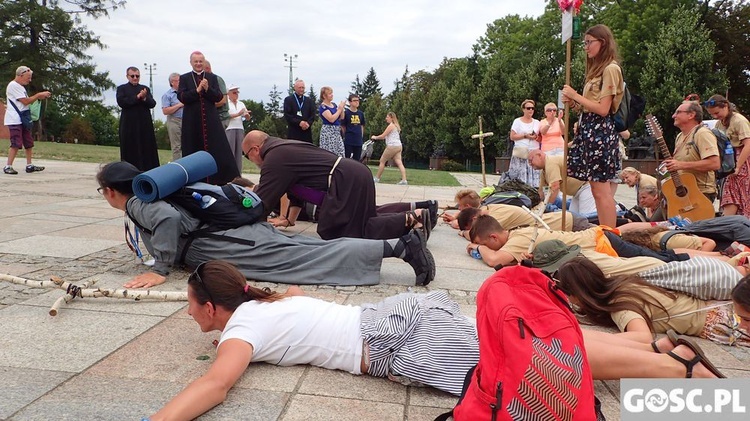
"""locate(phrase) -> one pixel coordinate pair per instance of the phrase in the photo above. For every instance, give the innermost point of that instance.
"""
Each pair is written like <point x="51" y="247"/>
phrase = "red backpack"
<point x="532" y="360"/>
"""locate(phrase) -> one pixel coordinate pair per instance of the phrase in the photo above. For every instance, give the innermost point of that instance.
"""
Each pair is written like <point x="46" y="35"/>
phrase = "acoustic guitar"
<point x="680" y="190"/>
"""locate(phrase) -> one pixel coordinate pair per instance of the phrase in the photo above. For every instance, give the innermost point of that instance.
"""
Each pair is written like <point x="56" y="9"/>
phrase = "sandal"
<point x="689" y="364"/>
<point x="421" y="216"/>
<point x="689" y="342"/>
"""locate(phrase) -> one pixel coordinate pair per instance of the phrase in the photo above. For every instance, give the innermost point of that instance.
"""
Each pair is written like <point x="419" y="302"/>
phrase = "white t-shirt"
<point x="526" y="128"/>
<point x="300" y="330"/>
<point x="14" y="91"/>
<point x="393" y="138"/>
<point x="236" y="122"/>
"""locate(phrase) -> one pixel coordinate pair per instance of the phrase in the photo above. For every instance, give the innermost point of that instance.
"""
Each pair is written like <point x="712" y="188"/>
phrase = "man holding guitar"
<point x="695" y="148"/>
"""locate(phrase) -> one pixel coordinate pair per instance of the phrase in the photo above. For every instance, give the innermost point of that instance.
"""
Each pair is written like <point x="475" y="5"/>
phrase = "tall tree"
<point x="679" y="62"/>
<point x="370" y="86"/>
<point x="273" y="106"/>
<point x="356" y="87"/>
<point x="50" y="39"/>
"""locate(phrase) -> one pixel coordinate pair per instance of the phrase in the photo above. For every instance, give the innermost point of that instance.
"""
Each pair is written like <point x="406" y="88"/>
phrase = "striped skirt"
<point x="420" y="338"/>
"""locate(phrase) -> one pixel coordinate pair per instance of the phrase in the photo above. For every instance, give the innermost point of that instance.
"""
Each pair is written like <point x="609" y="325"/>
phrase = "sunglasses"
<point x="529" y="108"/>
<point x="551" y="110"/>
<point x="713" y="103"/>
<point x="197" y="276"/>
<point x="134" y="76"/>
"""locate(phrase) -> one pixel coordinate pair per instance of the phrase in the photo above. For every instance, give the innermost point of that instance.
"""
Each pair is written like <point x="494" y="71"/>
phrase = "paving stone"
<point x="46" y="245"/>
<point x="319" y="408"/>
<point x="22" y="386"/>
<point x="336" y="383"/>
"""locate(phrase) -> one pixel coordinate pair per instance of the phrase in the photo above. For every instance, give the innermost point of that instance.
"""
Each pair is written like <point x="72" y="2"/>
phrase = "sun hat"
<point x="551" y="254"/>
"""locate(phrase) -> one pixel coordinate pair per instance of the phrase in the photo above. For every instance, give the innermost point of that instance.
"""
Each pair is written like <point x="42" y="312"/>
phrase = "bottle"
<point x="204" y="199"/>
<point x="475" y="253"/>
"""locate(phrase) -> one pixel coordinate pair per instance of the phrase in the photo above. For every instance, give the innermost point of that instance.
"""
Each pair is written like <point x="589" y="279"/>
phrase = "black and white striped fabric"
<point x="422" y="337"/>
<point x="705" y="278"/>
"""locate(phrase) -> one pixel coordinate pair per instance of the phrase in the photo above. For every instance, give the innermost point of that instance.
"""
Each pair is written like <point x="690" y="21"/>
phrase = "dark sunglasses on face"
<point x="529" y="108"/>
<point x="551" y="110"/>
<point x="134" y="76"/>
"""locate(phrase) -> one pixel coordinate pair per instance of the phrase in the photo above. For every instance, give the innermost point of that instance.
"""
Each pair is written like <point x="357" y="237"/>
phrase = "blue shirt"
<point x="169" y="99"/>
<point x="333" y="110"/>
<point x="353" y="121"/>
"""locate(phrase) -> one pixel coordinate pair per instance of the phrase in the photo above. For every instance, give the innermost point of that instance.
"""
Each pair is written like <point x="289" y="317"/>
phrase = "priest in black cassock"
<point x="201" y="127"/>
<point x="137" y="138"/>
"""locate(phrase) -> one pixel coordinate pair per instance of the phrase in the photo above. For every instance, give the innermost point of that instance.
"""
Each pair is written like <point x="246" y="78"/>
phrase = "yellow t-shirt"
<point x="646" y="181"/>
<point x="739" y="128"/>
<point x="698" y="145"/>
<point x="612" y="266"/>
<point x="519" y="240"/>
<point x="677" y="241"/>
<point x="552" y="173"/>
<point x="689" y="324"/>
<point x="510" y="217"/>
<point x="609" y="83"/>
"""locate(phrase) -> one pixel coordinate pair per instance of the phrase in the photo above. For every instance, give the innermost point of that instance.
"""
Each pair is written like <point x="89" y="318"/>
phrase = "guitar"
<point x="680" y="190"/>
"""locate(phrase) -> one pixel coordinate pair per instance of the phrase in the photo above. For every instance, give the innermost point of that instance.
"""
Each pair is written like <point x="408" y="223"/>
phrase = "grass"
<point x="103" y="154"/>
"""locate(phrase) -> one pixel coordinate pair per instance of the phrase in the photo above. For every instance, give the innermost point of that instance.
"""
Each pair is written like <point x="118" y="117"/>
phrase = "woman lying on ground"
<point x="635" y="306"/>
<point x="387" y="339"/>
<point x="651" y="237"/>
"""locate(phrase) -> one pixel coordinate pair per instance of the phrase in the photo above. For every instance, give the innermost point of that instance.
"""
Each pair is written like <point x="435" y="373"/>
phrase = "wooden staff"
<point x="481" y="137"/>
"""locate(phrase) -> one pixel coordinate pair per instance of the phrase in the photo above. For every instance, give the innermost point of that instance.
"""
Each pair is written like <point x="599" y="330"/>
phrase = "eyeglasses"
<point x="588" y="42"/>
<point x="134" y="76"/>
<point x="246" y="154"/>
<point x="551" y="110"/>
<point x="529" y="108"/>
<point x="195" y="275"/>
<point x="100" y="190"/>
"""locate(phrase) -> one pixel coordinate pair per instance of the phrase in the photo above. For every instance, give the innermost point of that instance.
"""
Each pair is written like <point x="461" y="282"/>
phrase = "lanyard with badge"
<point x="299" y="104"/>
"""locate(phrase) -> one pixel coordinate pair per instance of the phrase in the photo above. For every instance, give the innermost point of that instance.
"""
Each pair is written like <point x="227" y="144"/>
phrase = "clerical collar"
<point x="199" y="73"/>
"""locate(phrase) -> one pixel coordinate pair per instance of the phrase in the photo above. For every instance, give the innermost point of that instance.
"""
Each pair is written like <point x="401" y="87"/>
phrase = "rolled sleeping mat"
<point x="162" y="181"/>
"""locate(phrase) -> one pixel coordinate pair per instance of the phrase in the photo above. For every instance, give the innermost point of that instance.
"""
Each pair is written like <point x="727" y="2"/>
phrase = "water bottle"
<point x="475" y="253"/>
<point x="205" y="200"/>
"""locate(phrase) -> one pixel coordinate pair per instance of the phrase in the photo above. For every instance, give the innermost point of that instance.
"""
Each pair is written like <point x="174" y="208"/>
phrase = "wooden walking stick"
<point x="481" y="137"/>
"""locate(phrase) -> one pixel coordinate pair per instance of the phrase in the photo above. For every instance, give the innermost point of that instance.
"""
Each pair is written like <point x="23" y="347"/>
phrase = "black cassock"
<point x="137" y="138"/>
<point x="201" y="127"/>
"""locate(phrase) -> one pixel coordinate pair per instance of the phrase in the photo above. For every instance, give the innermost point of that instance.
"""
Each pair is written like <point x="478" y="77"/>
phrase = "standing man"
<point x="582" y="200"/>
<point x="172" y="108"/>
<point x="20" y="136"/>
<point x="201" y="128"/>
<point x="137" y="138"/>
<point x="353" y="128"/>
<point x="695" y="150"/>
<point x="299" y="113"/>
<point x="222" y="105"/>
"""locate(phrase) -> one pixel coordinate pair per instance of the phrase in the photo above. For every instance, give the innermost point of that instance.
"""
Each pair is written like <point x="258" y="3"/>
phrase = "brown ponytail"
<point x="219" y="282"/>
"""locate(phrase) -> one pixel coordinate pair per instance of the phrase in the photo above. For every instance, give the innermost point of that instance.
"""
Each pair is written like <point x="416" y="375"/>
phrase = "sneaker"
<point x="376" y="180"/>
<point x="10" y="170"/>
<point x="419" y="257"/>
<point x="402" y="183"/>
<point x="34" y="168"/>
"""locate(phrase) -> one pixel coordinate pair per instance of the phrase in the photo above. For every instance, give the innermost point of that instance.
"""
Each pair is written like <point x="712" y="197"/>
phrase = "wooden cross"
<point x="481" y="137"/>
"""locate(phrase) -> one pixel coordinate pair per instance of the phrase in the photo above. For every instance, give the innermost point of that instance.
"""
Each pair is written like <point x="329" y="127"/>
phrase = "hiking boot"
<point x="10" y="170"/>
<point x="34" y="168"/>
<point x="419" y="257"/>
<point x="402" y="183"/>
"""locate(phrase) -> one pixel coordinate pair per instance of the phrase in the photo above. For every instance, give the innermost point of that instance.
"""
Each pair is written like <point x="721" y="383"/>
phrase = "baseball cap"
<point x="21" y="70"/>
<point x="551" y="254"/>
<point x="233" y="87"/>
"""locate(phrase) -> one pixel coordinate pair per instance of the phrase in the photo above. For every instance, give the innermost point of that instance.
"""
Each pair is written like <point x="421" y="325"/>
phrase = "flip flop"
<point x="690" y="343"/>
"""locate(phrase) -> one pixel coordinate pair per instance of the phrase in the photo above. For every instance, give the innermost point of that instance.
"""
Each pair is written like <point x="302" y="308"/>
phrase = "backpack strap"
<point x="137" y="224"/>
<point x="665" y="238"/>
<point x="467" y="381"/>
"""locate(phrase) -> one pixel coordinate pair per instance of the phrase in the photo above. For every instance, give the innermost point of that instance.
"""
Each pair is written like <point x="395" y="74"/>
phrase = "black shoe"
<point x="419" y="257"/>
<point x="433" y="207"/>
<point x="10" y="170"/>
<point x="34" y="168"/>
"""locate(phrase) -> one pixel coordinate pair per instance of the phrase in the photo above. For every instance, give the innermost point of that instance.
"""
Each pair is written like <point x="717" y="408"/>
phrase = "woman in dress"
<point x="331" y="115"/>
<point x="236" y="129"/>
<point x="632" y="304"/>
<point x="393" y="147"/>
<point x="735" y="198"/>
<point x="595" y="155"/>
<point x="525" y="134"/>
<point x="551" y="130"/>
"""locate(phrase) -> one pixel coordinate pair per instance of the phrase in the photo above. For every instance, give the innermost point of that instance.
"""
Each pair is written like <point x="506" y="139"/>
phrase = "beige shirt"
<point x="689" y="324"/>
<point x="646" y="181"/>
<point x="677" y="241"/>
<point x="699" y="144"/>
<point x="612" y="266"/>
<point x="510" y="217"/>
<point x="552" y="172"/>
<point x="519" y="240"/>
<point x="608" y="84"/>
<point x="739" y="128"/>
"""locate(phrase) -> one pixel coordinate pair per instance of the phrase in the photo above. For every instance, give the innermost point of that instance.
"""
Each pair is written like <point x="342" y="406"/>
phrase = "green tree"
<point x="257" y="114"/>
<point x="679" y="61"/>
<point x="313" y="96"/>
<point x="356" y="86"/>
<point x="162" y="136"/>
<point x="729" y="23"/>
<point x="273" y="106"/>
<point x="79" y="131"/>
<point x="370" y="86"/>
<point x="52" y="41"/>
<point x="103" y="123"/>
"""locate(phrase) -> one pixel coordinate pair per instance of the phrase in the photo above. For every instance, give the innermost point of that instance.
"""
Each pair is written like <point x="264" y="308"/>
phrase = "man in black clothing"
<point x="299" y="113"/>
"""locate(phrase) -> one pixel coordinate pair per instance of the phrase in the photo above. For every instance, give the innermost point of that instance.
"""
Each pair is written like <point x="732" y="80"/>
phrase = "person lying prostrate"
<point x="633" y="305"/>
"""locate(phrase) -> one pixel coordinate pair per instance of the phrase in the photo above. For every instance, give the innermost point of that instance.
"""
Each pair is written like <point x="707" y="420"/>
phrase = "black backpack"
<point x="726" y="153"/>
<point x="631" y="108"/>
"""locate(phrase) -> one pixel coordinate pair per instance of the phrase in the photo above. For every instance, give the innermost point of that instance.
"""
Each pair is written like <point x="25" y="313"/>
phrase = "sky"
<point x="334" y="40"/>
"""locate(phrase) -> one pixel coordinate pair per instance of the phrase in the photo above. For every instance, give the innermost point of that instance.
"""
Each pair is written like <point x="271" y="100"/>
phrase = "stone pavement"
<point x="107" y="359"/>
